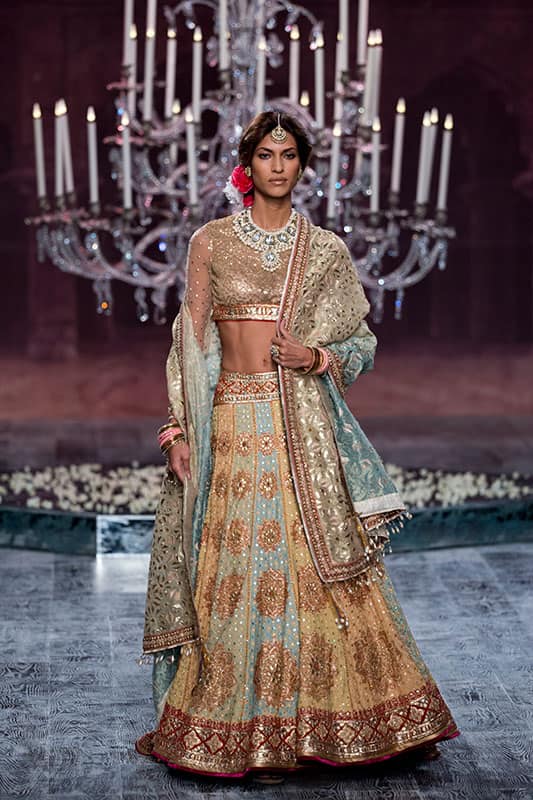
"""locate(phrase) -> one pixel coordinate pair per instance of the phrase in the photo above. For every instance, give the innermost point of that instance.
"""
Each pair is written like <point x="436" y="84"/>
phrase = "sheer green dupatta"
<point x="192" y="369"/>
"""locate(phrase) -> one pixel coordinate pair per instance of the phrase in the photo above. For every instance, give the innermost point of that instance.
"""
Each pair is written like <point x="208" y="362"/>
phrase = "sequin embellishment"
<point x="269" y="243"/>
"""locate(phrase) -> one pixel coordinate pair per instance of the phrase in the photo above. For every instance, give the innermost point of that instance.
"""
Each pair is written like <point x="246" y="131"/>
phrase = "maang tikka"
<point x="278" y="134"/>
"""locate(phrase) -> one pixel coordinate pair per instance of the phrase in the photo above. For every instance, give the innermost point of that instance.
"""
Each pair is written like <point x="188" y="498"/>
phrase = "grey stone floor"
<point x="73" y="698"/>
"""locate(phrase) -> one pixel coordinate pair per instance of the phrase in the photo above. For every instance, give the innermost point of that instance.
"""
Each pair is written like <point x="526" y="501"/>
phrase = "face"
<point x="275" y="166"/>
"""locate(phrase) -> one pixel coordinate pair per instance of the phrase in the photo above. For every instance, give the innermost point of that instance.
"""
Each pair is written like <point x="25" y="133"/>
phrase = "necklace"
<point x="269" y="243"/>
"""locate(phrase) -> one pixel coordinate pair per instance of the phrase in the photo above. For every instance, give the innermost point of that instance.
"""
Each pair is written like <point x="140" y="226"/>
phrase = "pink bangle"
<point x="168" y="434"/>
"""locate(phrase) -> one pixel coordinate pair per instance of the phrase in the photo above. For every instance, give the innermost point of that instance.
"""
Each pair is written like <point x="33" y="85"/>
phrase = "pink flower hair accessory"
<point x="239" y="187"/>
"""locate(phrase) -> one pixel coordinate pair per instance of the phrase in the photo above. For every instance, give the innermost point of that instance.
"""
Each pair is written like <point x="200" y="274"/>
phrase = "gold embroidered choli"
<point x="227" y="275"/>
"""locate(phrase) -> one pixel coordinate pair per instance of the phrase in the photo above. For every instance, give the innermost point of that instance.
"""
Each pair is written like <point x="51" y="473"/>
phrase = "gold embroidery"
<point x="228" y="595"/>
<point x="223" y="443"/>
<point x="298" y="533"/>
<point x="377" y="661"/>
<point x="310" y="589"/>
<point x="266" y="443"/>
<point x="220" y="484"/>
<point x="275" y="674"/>
<point x="241" y="483"/>
<point x="245" y="311"/>
<point x="271" y="596"/>
<point x="218" y="681"/>
<point x="209" y="594"/>
<point x="269" y="534"/>
<point x="241" y="387"/>
<point x="237" y="536"/>
<point x="316" y="665"/>
<point x="243" y="444"/>
<point x="268" y="485"/>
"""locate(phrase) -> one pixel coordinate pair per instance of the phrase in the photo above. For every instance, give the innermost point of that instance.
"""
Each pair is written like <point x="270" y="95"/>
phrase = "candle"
<point x="294" y="64"/>
<point x="170" y="80"/>
<point x="223" y="34"/>
<point x="197" y="50"/>
<point x="260" y="75"/>
<point x="93" y="156"/>
<point x="304" y="99"/>
<point x="58" y="150"/>
<point x="444" y="172"/>
<point x="191" y="158"/>
<point x="132" y="81"/>
<point x="343" y="28"/>
<point x="39" y="150"/>
<point x="149" y="64"/>
<point x="376" y="155"/>
<point x="128" y="19"/>
<point x="319" y="81"/>
<point x="420" y="183"/>
<point x="151" y="14"/>
<point x="430" y="152"/>
<point x="376" y="74"/>
<point x="397" y="150"/>
<point x="176" y="111"/>
<point x="362" y="31"/>
<point x="337" y="103"/>
<point x="369" y="79"/>
<point x="334" y="170"/>
<point x="126" y="162"/>
<point x="67" y="152"/>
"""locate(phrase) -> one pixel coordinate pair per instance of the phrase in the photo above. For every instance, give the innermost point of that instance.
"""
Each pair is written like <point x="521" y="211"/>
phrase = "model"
<point x="277" y="634"/>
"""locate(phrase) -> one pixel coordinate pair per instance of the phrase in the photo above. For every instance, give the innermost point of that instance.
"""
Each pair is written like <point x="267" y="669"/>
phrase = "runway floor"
<point x="73" y="698"/>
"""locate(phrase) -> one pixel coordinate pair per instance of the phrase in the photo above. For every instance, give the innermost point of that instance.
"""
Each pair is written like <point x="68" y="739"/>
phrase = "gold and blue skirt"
<point x="276" y="681"/>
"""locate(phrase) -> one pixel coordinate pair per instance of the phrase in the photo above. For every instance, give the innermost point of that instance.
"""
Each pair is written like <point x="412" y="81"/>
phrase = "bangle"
<point x="324" y="362"/>
<point x="180" y="437"/>
<point x="314" y="363"/>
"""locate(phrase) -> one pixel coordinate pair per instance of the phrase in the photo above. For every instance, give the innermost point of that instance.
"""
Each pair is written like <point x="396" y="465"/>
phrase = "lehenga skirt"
<point x="276" y="681"/>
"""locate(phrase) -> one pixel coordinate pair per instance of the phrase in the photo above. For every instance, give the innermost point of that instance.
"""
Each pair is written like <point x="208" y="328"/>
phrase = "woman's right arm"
<point x="197" y="304"/>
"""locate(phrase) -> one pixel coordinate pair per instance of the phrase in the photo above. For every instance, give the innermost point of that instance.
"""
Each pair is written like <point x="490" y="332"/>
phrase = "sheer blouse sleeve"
<point x="197" y="296"/>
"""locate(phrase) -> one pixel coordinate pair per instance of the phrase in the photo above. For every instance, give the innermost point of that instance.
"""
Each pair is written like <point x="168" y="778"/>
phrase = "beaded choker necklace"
<point x="269" y="243"/>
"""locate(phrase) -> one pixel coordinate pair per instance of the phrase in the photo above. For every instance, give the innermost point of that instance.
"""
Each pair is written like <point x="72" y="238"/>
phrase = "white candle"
<point x="319" y="81"/>
<point x="334" y="170"/>
<point x="39" y="150"/>
<point x="397" y="150"/>
<point x="197" y="50"/>
<point x="294" y="64"/>
<point x="93" y="156"/>
<point x="337" y="103"/>
<point x="170" y="79"/>
<point x="362" y="31"/>
<point x="126" y="162"/>
<point x="430" y="152"/>
<point x="376" y="74"/>
<point x="128" y="19"/>
<point x="376" y="157"/>
<point x="176" y="111"/>
<point x="223" y="33"/>
<point x="260" y="75"/>
<point x="132" y="90"/>
<point x="445" y="155"/>
<point x="58" y="150"/>
<point x="151" y="14"/>
<point x="369" y="79"/>
<point x="191" y="158"/>
<point x="67" y="152"/>
<point x="149" y="65"/>
<point x="343" y="28"/>
<point x="420" y="183"/>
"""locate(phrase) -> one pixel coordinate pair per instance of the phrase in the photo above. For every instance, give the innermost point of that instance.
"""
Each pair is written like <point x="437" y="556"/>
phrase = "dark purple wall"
<point x="473" y="59"/>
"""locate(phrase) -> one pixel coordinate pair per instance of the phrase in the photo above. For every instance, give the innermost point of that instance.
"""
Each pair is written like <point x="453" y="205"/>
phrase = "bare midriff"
<point x="246" y="345"/>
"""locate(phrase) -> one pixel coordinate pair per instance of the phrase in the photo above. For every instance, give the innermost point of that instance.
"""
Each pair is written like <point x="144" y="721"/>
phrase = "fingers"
<point x="179" y="463"/>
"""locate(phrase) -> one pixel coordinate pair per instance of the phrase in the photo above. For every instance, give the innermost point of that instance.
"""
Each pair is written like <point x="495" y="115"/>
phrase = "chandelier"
<point x="171" y="165"/>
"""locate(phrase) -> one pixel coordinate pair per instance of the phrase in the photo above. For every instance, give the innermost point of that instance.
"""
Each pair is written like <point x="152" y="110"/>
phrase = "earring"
<point x="300" y="173"/>
<point x="248" y="171"/>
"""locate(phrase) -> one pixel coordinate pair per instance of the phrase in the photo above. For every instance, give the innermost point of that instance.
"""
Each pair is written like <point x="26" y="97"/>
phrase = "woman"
<point x="277" y="633"/>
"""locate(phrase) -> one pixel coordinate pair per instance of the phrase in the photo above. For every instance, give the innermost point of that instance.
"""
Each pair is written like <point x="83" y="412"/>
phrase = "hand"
<point x="179" y="457"/>
<point x="292" y="353"/>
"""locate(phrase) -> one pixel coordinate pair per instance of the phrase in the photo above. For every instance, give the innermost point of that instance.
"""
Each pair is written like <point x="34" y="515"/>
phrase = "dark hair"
<point x="265" y="122"/>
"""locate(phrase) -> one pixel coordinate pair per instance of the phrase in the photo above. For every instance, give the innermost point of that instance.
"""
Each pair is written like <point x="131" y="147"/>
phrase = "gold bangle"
<point x="180" y="437"/>
<point x="167" y="427"/>
<point x="309" y="369"/>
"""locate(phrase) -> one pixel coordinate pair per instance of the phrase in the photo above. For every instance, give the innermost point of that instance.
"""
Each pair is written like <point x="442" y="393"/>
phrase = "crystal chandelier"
<point x="171" y="166"/>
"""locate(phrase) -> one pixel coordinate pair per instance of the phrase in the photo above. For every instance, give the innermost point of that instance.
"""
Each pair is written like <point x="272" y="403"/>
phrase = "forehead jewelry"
<point x="278" y="134"/>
